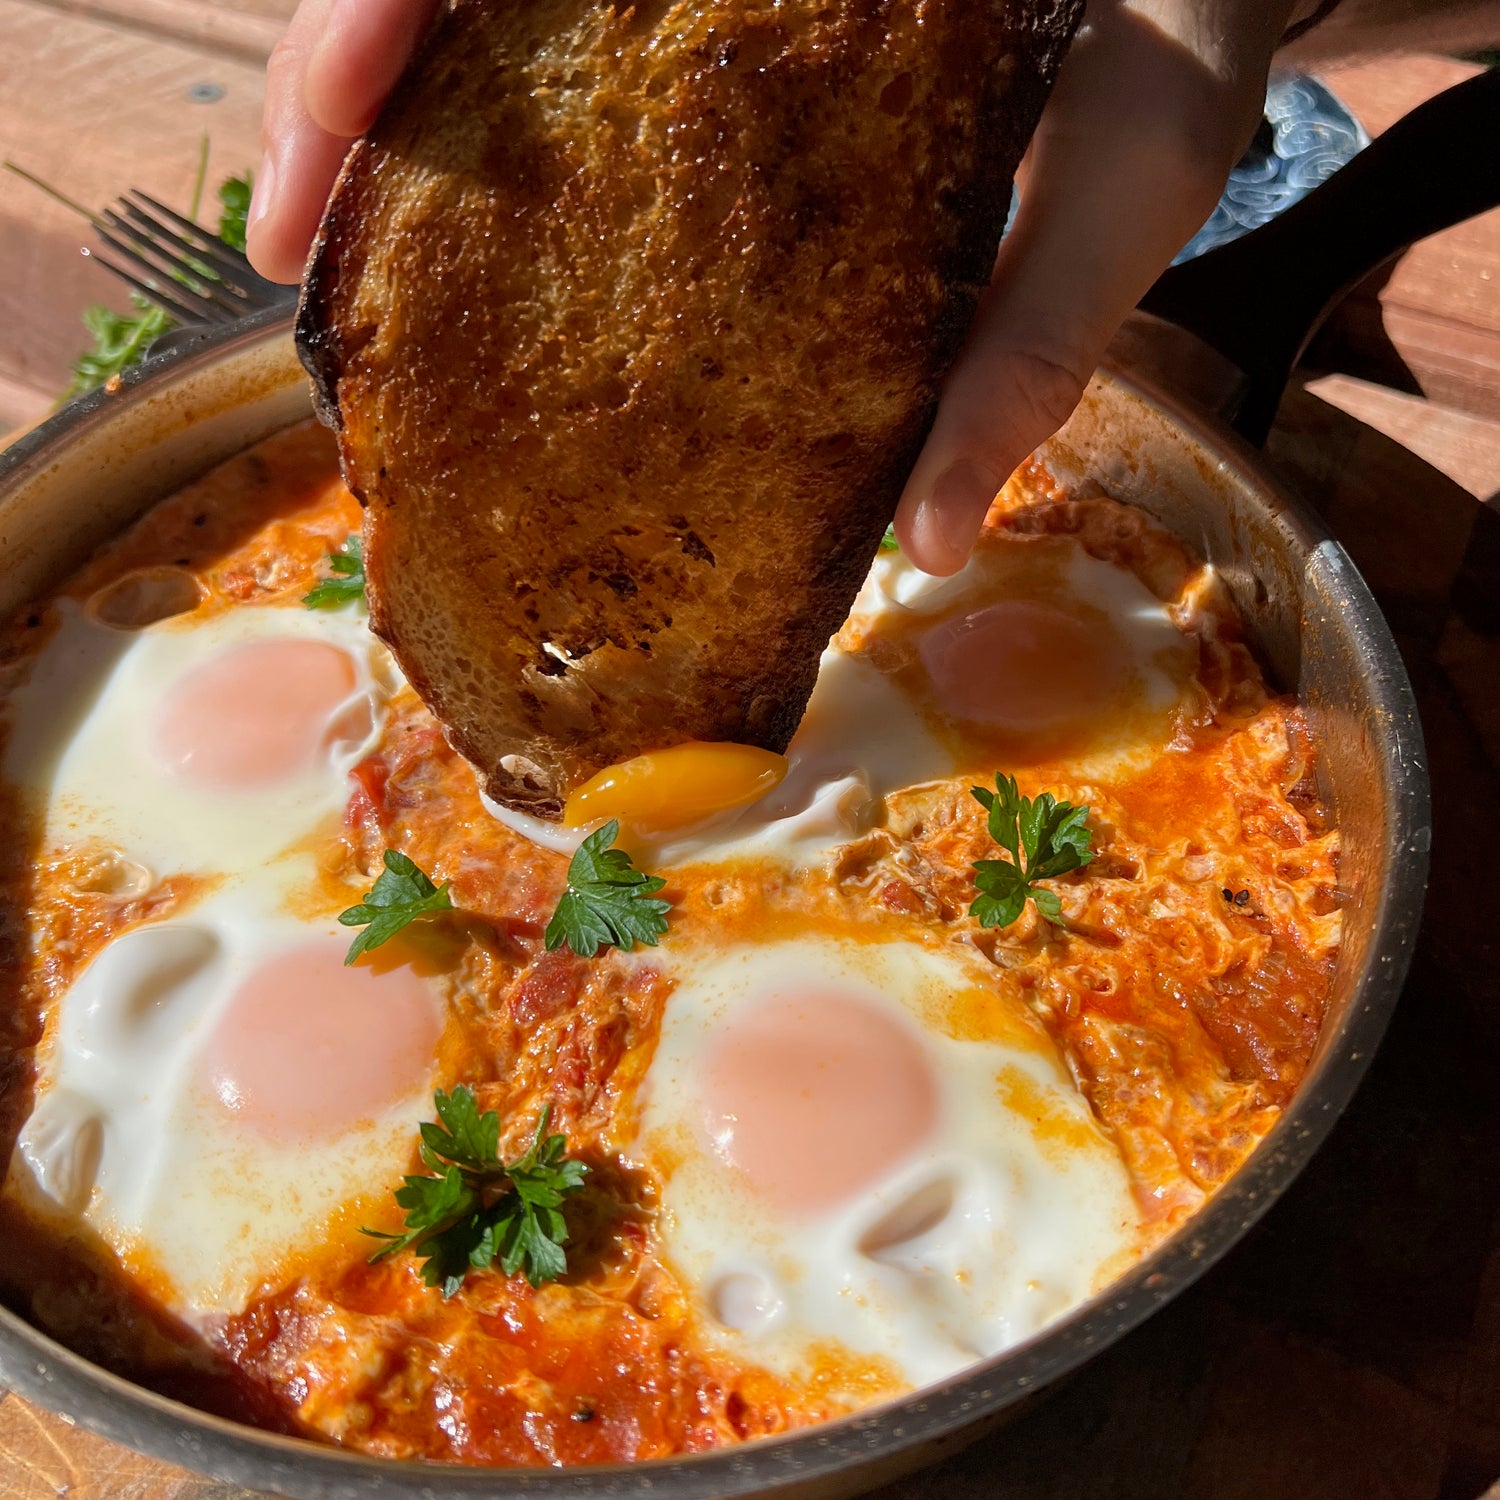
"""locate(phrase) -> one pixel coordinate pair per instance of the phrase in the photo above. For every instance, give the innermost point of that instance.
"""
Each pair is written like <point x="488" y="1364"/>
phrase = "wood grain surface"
<point x="1349" y="1348"/>
<point x="45" y="1458"/>
<point x="95" y="107"/>
<point x="1429" y="324"/>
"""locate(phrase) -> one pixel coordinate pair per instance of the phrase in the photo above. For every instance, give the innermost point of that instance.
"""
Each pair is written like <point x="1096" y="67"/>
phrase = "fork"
<point x="185" y="270"/>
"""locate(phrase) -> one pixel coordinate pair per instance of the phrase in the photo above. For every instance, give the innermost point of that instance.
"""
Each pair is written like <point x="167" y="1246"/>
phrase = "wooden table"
<point x="1350" y="1346"/>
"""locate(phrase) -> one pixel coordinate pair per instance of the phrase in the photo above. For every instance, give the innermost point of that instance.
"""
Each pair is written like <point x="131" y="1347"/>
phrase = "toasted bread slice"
<point x="631" y="319"/>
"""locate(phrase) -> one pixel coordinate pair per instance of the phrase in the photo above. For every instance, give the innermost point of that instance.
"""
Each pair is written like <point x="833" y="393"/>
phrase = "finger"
<point x="300" y="159"/>
<point x="287" y="210"/>
<point x="363" y="50"/>
<point x="1130" y="158"/>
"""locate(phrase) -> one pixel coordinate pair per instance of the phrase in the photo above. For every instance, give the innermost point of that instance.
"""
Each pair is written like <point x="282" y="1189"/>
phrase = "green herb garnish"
<point x="477" y="1209"/>
<point x="888" y="542"/>
<point x="400" y="895"/>
<point x="1044" y="837"/>
<point x="347" y="580"/>
<point x="234" y="210"/>
<point x="120" y="341"/>
<point x="608" y="901"/>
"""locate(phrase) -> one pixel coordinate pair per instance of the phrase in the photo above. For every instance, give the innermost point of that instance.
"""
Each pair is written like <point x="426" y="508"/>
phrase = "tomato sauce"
<point x="1187" y="999"/>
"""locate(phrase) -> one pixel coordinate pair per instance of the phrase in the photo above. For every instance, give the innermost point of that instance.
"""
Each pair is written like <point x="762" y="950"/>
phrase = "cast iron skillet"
<point x="100" y="463"/>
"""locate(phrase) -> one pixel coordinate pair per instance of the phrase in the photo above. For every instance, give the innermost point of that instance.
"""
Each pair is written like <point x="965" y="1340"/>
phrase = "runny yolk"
<point x="307" y="1048"/>
<point x="254" y="714"/>
<point x="815" y="1095"/>
<point x="1024" y="665"/>
<point x="669" y="788"/>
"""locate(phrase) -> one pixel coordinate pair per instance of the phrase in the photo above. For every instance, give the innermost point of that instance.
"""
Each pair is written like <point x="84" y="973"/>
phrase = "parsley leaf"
<point x="608" y="901"/>
<point x="475" y="1209"/>
<point x="888" y="542"/>
<point x="1044" y="838"/>
<point x="534" y="1238"/>
<point x="120" y="340"/>
<point x="462" y="1134"/>
<point x="234" y="210"/>
<point x="401" y="895"/>
<point x="347" y="580"/>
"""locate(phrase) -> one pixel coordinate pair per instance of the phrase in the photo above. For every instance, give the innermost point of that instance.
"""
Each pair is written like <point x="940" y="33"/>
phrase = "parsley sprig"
<point x="400" y="895"/>
<point x="888" y="542"/>
<point x="608" y="901"/>
<point x="346" y="580"/>
<point x="121" y="340"/>
<point x="1044" y="837"/>
<point x="477" y="1209"/>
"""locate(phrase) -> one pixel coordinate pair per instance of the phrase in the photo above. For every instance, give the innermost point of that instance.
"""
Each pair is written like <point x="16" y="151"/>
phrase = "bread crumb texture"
<point x="631" y="320"/>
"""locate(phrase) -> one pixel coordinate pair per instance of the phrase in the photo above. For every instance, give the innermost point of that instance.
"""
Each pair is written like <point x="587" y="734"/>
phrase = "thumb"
<point x="1131" y="155"/>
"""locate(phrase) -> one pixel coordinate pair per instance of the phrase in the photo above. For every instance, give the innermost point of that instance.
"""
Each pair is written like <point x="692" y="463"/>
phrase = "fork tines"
<point x="183" y="268"/>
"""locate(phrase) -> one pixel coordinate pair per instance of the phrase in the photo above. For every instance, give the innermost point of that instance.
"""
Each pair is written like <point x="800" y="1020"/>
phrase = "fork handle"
<point x="1261" y="298"/>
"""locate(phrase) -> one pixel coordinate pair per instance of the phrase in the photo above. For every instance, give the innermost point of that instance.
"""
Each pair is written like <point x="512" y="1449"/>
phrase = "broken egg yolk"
<point x="674" y="787"/>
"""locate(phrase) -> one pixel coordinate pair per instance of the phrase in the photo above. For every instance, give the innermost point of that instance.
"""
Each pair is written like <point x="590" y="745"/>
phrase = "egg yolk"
<point x="670" y="788"/>
<point x="253" y="715"/>
<point x="1024" y="665"/>
<point x="307" y="1048"/>
<point x="816" y="1095"/>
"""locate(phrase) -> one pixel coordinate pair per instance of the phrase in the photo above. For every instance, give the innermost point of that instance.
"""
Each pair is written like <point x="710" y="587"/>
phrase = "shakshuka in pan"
<point x="759" y="1090"/>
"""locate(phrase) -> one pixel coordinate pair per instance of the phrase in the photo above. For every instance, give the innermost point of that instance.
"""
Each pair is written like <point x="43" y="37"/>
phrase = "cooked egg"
<point x="1034" y="653"/>
<point x="679" y="785"/>
<point x="217" y="1088"/>
<point x="863" y="1143"/>
<point x="199" y="739"/>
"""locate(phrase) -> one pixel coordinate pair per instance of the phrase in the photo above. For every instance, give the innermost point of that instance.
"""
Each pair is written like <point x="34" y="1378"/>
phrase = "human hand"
<point x="1156" y="101"/>
<point x="325" y="83"/>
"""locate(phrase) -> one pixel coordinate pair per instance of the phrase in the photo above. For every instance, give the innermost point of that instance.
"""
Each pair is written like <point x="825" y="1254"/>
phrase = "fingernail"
<point x="959" y="501"/>
<point x="262" y="191"/>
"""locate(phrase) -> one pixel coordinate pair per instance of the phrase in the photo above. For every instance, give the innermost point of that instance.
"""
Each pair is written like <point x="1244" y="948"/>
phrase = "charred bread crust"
<point x="631" y="320"/>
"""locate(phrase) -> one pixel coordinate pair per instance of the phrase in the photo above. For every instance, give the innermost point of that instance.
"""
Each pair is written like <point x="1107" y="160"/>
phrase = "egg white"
<point x="993" y="1227"/>
<point x="80" y="723"/>
<point x="864" y="736"/>
<point x="971" y="1244"/>
<point x="126" y="1138"/>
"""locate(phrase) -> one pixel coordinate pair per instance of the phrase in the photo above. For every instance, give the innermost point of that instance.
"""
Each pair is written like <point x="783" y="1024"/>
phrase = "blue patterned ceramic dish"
<point x="1306" y="137"/>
